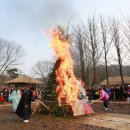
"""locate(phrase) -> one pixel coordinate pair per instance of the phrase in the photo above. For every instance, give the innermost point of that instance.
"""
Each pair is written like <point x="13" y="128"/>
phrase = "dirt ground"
<point x="98" y="121"/>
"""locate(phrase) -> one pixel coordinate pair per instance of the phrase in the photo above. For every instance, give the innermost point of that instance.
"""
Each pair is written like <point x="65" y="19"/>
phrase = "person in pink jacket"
<point x="104" y="97"/>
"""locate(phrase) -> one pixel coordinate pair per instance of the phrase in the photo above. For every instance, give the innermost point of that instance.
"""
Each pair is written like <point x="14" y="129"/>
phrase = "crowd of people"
<point x="21" y="97"/>
<point x="5" y="93"/>
<point x="119" y="93"/>
<point x="115" y="92"/>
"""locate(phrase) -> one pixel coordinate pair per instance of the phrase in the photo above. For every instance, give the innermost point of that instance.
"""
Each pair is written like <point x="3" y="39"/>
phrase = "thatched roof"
<point x="24" y="79"/>
<point x="116" y="81"/>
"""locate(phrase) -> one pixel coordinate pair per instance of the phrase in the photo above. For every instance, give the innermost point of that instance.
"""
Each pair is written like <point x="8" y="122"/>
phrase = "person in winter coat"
<point x="104" y="97"/>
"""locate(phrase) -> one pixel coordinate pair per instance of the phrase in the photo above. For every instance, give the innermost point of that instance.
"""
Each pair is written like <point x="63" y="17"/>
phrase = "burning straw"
<point x="67" y="88"/>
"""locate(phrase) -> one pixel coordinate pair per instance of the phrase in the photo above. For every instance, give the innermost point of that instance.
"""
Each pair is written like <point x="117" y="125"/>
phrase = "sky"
<point x="26" y="22"/>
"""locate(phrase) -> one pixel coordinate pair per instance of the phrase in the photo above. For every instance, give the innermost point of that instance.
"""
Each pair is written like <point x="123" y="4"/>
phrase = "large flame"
<point x="67" y="88"/>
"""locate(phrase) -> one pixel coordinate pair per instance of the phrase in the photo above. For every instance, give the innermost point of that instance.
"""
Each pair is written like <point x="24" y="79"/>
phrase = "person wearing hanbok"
<point x="24" y="107"/>
<point x="15" y="98"/>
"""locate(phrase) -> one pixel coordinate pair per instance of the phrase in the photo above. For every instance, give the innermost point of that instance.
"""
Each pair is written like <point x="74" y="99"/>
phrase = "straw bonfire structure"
<point x="50" y="96"/>
<point x="62" y="91"/>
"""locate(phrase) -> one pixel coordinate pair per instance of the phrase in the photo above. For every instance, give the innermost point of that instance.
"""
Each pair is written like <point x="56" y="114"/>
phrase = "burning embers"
<point x="67" y="88"/>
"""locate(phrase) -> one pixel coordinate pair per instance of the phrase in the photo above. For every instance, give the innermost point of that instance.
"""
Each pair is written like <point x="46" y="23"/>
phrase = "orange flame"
<point x="67" y="88"/>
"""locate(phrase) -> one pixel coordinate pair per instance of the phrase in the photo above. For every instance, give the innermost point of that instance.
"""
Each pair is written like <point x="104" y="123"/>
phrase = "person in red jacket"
<point x="2" y="97"/>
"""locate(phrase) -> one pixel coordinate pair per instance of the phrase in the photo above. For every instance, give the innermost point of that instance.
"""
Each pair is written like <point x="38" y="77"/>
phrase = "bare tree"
<point x="106" y="43"/>
<point x="42" y="69"/>
<point x="88" y="62"/>
<point x="92" y="38"/>
<point x="127" y="34"/>
<point x="117" y="39"/>
<point x="78" y="51"/>
<point x="11" y="54"/>
<point x="87" y="48"/>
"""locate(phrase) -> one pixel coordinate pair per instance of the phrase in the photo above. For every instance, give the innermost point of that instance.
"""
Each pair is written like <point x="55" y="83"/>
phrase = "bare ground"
<point x="101" y="120"/>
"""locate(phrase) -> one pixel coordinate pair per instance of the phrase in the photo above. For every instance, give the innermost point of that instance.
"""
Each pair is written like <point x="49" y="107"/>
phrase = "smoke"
<point x="58" y="12"/>
<point x="43" y="13"/>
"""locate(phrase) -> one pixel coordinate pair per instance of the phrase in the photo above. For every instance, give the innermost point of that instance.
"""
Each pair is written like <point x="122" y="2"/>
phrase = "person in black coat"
<point x="24" y="107"/>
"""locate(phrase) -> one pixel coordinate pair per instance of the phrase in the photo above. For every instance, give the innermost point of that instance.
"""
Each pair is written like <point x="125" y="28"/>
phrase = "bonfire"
<point x="68" y="87"/>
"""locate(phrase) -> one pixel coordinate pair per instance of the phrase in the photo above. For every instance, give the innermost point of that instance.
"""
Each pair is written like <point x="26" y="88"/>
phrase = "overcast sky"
<point x="27" y="21"/>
